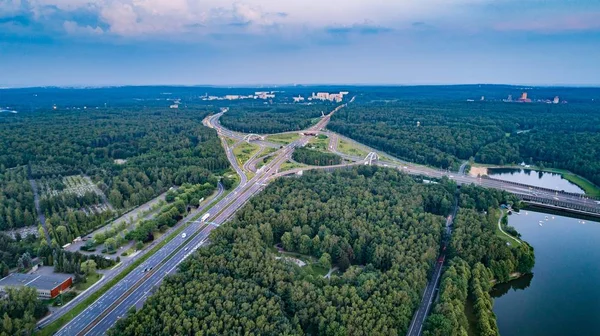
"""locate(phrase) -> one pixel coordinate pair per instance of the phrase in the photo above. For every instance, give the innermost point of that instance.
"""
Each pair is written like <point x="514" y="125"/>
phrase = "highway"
<point x="97" y="318"/>
<point x="135" y="287"/>
<point x="112" y="273"/>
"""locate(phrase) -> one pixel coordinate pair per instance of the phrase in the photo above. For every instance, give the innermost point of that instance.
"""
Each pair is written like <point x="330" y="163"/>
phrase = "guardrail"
<point x="541" y="188"/>
<point x="541" y="201"/>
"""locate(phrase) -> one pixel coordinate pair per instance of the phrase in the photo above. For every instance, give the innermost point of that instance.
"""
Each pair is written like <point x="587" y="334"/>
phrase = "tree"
<point x="110" y="244"/>
<point x="325" y="260"/>
<point x="139" y="245"/>
<point x="88" y="267"/>
<point x="286" y="241"/>
<point x="115" y="198"/>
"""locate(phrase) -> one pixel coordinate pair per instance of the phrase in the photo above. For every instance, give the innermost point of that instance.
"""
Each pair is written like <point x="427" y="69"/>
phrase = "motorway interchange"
<point x="135" y="287"/>
<point x="97" y="318"/>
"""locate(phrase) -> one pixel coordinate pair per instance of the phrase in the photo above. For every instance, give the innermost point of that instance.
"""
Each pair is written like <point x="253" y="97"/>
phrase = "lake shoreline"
<point x="589" y="188"/>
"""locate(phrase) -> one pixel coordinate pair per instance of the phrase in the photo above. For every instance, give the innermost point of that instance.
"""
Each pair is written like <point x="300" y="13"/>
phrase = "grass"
<point x="262" y="163"/>
<point x="588" y="186"/>
<point x="244" y="152"/>
<point x="89" y="281"/>
<point x="55" y="326"/>
<point x="265" y="152"/>
<point x="504" y="236"/>
<point x="230" y="141"/>
<point x="283" y="138"/>
<point x="316" y="270"/>
<point x="288" y="165"/>
<point x="350" y="148"/>
<point x="320" y="143"/>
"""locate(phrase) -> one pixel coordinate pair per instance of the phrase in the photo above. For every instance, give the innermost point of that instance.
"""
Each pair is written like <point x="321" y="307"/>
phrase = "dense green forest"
<point x="315" y="157"/>
<point x="130" y="154"/>
<point x="13" y="249"/>
<point x="477" y="255"/>
<point x="180" y="199"/>
<point x="443" y="134"/>
<point x="381" y="228"/>
<point x="272" y="119"/>
<point x="19" y="311"/>
<point x="16" y="199"/>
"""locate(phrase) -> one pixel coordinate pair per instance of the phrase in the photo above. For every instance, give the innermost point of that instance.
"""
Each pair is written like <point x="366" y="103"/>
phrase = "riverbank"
<point x="588" y="186"/>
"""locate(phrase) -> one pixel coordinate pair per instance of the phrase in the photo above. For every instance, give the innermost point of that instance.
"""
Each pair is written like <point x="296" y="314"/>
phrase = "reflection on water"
<point x="563" y="298"/>
<point x="517" y="284"/>
<point x="534" y="178"/>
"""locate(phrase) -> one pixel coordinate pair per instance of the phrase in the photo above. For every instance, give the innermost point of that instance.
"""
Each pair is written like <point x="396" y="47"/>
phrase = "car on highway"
<point x="183" y="235"/>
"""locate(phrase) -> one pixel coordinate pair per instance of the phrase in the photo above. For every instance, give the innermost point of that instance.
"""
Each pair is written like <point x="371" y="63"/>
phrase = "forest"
<point x="131" y="154"/>
<point x="16" y="199"/>
<point x="19" y="311"/>
<point x="315" y="157"/>
<point x="445" y="133"/>
<point x="272" y="119"/>
<point x="477" y="256"/>
<point x="13" y="249"/>
<point x="380" y="228"/>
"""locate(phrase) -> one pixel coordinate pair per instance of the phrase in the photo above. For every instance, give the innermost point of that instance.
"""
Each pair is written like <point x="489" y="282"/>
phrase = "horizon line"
<point x="273" y="85"/>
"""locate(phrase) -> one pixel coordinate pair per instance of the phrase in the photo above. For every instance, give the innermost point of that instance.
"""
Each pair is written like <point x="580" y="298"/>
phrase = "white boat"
<point x="541" y="224"/>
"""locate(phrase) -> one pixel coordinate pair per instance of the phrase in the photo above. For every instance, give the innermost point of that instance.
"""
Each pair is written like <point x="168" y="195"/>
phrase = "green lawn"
<point x="283" y="138"/>
<point x="588" y="186"/>
<point x="245" y="151"/>
<point x="288" y="165"/>
<point x="504" y="236"/>
<point x="230" y="141"/>
<point x="320" y="143"/>
<point x="350" y="148"/>
<point x="89" y="281"/>
<point x="316" y="270"/>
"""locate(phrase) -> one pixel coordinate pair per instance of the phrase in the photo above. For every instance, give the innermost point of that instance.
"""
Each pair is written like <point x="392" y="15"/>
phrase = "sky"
<point x="246" y="42"/>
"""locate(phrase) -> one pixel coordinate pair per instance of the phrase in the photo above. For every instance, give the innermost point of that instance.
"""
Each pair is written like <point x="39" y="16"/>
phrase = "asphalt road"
<point x="95" y="309"/>
<point x="135" y="287"/>
<point x="416" y="325"/>
<point x="97" y="318"/>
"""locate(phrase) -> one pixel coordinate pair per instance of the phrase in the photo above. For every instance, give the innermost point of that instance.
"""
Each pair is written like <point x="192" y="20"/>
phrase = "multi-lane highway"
<point x="136" y="286"/>
<point x="97" y="318"/>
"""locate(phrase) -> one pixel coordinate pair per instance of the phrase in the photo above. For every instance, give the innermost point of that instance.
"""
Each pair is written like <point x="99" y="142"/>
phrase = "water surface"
<point x="562" y="297"/>
<point x="535" y="178"/>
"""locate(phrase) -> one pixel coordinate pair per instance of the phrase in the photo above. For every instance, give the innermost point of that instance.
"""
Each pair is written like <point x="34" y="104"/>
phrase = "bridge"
<point x="371" y="157"/>
<point x="253" y="137"/>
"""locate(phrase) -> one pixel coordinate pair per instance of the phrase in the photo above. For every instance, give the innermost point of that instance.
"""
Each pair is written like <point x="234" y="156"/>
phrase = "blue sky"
<point x="220" y="42"/>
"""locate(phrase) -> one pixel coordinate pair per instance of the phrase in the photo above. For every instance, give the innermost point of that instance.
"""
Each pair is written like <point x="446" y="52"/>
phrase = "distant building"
<point x="47" y="286"/>
<point x="298" y="99"/>
<point x="556" y="100"/>
<point x="524" y="98"/>
<point x="482" y="98"/>
<point x="174" y="106"/>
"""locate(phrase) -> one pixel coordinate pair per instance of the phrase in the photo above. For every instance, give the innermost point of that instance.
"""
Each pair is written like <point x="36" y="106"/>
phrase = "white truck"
<point x="204" y="217"/>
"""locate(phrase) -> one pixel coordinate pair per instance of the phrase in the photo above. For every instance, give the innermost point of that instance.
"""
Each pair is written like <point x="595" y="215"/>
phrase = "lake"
<point x="562" y="297"/>
<point x="534" y="178"/>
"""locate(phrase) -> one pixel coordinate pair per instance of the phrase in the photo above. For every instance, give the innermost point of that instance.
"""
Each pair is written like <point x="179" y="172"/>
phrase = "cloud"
<point x="553" y="24"/>
<point x="73" y="28"/>
<point x="194" y="20"/>
<point x="359" y="29"/>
